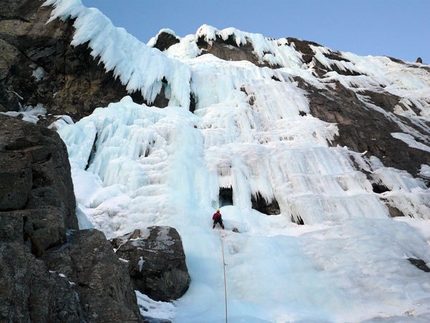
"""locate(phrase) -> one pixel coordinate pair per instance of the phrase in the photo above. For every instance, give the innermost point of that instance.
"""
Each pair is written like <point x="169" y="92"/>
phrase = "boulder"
<point x="156" y="262"/>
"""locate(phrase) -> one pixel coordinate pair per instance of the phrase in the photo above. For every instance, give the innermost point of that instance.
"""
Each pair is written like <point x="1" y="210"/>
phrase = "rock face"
<point x="364" y="128"/>
<point x="156" y="262"/>
<point x="39" y="66"/>
<point x="229" y="50"/>
<point x="101" y="281"/>
<point x="35" y="181"/>
<point x="50" y="271"/>
<point x="29" y="292"/>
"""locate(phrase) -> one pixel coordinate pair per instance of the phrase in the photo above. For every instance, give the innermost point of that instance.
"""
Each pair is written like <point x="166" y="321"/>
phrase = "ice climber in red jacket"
<point x="217" y="219"/>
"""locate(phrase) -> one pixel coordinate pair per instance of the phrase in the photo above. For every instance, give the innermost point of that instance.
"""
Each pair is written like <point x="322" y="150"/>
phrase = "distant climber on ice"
<point x="217" y="217"/>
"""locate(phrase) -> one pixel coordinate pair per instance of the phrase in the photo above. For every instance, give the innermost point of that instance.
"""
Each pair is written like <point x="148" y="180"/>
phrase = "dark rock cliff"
<point x="38" y="64"/>
<point x="35" y="181"/>
<point x="49" y="270"/>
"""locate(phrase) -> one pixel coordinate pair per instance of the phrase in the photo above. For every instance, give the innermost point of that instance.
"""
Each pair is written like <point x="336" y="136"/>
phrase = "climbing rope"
<point x="225" y="277"/>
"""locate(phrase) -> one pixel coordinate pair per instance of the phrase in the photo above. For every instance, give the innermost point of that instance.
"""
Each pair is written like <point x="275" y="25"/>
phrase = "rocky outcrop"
<point x="101" y="281"/>
<point x="35" y="176"/>
<point x="165" y="40"/>
<point x="49" y="270"/>
<point x="366" y="117"/>
<point x="364" y="128"/>
<point x="37" y="207"/>
<point x="82" y="280"/>
<point x="38" y="65"/>
<point x="228" y="50"/>
<point x="156" y="262"/>
<point x="29" y="292"/>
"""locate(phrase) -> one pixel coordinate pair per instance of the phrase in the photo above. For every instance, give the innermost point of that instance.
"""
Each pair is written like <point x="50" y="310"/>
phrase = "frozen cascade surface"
<point x="135" y="166"/>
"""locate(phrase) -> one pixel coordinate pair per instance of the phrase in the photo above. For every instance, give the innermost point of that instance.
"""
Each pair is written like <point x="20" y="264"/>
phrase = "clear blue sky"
<point x="396" y="28"/>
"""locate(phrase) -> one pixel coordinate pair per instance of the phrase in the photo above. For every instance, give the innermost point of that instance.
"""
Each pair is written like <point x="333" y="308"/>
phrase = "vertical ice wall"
<point x="259" y="139"/>
<point x="251" y="132"/>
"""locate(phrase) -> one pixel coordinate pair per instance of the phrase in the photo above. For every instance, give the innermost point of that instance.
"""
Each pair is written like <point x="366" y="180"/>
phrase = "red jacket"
<point x="216" y="216"/>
